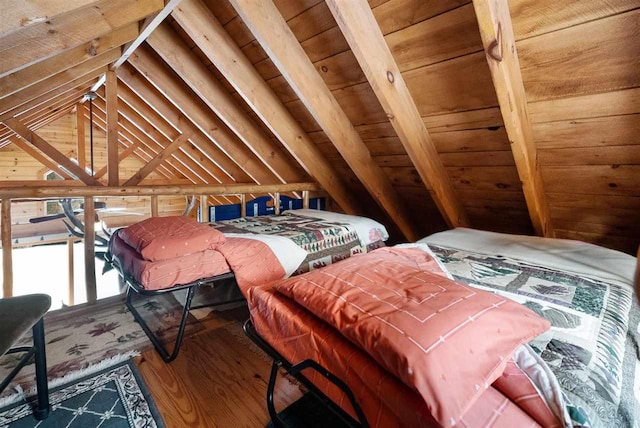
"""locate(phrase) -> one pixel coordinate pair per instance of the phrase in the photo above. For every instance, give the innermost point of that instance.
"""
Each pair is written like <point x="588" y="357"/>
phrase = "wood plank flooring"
<point x="218" y="380"/>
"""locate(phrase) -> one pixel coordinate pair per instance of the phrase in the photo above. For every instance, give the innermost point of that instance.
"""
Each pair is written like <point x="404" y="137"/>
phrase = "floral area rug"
<point x="88" y="338"/>
<point x="115" y="397"/>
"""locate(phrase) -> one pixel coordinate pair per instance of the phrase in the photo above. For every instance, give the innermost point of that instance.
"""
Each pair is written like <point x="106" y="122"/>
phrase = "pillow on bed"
<point x="162" y="238"/>
<point x="446" y="340"/>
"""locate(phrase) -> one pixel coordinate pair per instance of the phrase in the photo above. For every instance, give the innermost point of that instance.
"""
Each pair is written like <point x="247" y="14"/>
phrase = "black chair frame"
<point x="37" y="352"/>
<point x="296" y="371"/>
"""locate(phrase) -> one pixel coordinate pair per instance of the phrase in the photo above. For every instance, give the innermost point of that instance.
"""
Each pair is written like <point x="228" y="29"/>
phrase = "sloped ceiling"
<point x="182" y="108"/>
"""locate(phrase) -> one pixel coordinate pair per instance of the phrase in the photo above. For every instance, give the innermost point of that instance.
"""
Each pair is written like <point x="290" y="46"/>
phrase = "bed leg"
<point x="152" y="337"/>
<point x="275" y="418"/>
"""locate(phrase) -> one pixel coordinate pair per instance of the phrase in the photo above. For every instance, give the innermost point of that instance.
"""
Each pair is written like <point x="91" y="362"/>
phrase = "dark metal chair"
<point x="18" y="315"/>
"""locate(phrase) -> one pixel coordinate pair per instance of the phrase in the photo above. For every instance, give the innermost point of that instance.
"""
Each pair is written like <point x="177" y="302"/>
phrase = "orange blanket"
<point x="383" y="302"/>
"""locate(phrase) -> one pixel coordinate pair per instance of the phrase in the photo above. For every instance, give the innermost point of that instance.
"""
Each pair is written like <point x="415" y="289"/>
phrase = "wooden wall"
<point x="581" y="73"/>
<point x="18" y="165"/>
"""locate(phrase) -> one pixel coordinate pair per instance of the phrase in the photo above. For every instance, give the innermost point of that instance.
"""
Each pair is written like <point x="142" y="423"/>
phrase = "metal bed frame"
<point x="133" y="287"/>
<point x="296" y="371"/>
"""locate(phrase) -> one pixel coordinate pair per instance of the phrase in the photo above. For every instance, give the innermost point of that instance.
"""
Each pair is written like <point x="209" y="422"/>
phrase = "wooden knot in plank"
<point x="495" y="47"/>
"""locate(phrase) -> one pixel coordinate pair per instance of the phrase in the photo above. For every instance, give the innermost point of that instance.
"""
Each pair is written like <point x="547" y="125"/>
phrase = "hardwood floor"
<point x="218" y="380"/>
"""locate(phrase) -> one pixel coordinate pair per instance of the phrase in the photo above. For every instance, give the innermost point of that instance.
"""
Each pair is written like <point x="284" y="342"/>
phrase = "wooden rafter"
<point x="181" y="97"/>
<point x="36" y="42"/>
<point x="28" y="76"/>
<point x="46" y="148"/>
<point x="39" y="157"/>
<point x="58" y="80"/>
<point x="156" y="161"/>
<point x="221" y="50"/>
<point x="277" y="39"/>
<point x="359" y="26"/>
<point x="17" y="14"/>
<point x="44" y="98"/>
<point x="500" y="48"/>
<point x="172" y="123"/>
<point x="111" y="90"/>
<point x="178" y="55"/>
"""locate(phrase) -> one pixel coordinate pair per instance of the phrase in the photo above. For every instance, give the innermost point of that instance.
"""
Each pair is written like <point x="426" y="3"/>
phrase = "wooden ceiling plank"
<point x="153" y="164"/>
<point x="111" y="90"/>
<point x="177" y="54"/>
<point x="182" y="98"/>
<point x="45" y="39"/>
<point x="39" y="157"/>
<point x="274" y="35"/>
<point x="170" y="121"/>
<point x="57" y="80"/>
<point x="498" y="40"/>
<point x="219" y="48"/>
<point x="81" y="82"/>
<point x="367" y="43"/>
<point x="17" y="14"/>
<point x="46" y="148"/>
<point x="42" y="70"/>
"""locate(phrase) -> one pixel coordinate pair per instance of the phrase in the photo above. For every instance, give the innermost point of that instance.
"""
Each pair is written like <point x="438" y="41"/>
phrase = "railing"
<point x="7" y="194"/>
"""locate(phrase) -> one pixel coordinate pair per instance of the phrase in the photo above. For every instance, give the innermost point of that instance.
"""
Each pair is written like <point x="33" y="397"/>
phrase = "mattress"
<point x="298" y="335"/>
<point x="166" y="273"/>
<point x="585" y="291"/>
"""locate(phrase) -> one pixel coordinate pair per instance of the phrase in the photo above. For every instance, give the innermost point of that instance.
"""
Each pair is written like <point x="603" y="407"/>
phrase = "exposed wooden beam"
<point x="277" y="39"/>
<point x="56" y="191"/>
<point x="499" y="44"/>
<point x="81" y="136"/>
<point x="359" y="26"/>
<point x="229" y="59"/>
<point x="154" y="206"/>
<point x="7" y="257"/>
<point x="153" y="164"/>
<point x="47" y="38"/>
<point x="39" y="157"/>
<point x="57" y="80"/>
<point x="89" y="249"/>
<point x="182" y="60"/>
<point x="17" y="14"/>
<point x="42" y="99"/>
<point x="18" y="80"/>
<point x="111" y="90"/>
<point x="150" y="24"/>
<point x="181" y="97"/>
<point x="46" y="148"/>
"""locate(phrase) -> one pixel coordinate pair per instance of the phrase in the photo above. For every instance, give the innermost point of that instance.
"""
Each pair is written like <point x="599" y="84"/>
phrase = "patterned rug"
<point x="84" y="339"/>
<point x="115" y="397"/>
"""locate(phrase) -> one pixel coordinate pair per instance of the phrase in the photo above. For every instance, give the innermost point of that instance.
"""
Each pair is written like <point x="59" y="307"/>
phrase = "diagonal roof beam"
<point x="156" y="161"/>
<point x="206" y="31"/>
<point x="160" y="75"/>
<point x="277" y="39"/>
<point x="39" y="157"/>
<point x="149" y="25"/>
<point x="359" y="26"/>
<point x="37" y="141"/>
<point x="189" y="67"/>
<point x="499" y="44"/>
<point x="45" y="39"/>
<point x="17" y="14"/>
<point x="42" y="70"/>
<point x="57" y="80"/>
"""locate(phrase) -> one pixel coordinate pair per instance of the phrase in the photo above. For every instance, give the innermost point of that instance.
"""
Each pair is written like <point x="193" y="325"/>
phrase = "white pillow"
<point x="286" y="251"/>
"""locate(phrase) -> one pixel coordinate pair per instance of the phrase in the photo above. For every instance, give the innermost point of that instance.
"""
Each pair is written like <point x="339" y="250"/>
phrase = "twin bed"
<point x="386" y="336"/>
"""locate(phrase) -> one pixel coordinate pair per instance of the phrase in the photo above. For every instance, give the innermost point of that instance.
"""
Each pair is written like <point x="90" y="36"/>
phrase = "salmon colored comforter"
<point x="508" y="400"/>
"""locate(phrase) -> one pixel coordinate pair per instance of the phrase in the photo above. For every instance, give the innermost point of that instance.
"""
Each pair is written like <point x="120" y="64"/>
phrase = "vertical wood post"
<point x="154" y="206"/>
<point x="276" y="203"/>
<point x="7" y="260"/>
<point x="111" y="92"/>
<point x="204" y="209"/>
<point x="89" y="249"/>
<point x="71" y="291"/>
<point x="81" y="148"/>
<point x="243" y="205"/>
<point x="305" y="199"/>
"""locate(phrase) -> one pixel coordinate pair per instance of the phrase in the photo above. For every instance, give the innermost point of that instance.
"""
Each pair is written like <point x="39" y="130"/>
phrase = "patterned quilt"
<point x="325" y="241"/>
<point x="593" y="345"/>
